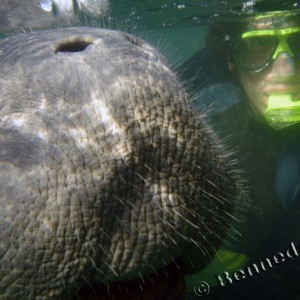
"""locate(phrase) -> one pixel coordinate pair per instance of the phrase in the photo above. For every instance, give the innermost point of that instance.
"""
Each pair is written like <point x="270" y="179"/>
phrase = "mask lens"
<point x="294" y="43"/>
<point x="254" y="53"/>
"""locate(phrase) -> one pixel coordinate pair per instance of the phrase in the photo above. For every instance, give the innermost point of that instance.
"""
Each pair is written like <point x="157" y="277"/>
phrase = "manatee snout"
<point x="106" y="173"/>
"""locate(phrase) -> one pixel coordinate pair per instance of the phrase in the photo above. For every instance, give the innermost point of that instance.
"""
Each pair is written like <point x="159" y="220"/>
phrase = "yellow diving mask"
<point x="256" y="49"/>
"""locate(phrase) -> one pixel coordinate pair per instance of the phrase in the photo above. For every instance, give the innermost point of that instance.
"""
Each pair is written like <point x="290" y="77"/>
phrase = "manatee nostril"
<point x="73" y="45"/>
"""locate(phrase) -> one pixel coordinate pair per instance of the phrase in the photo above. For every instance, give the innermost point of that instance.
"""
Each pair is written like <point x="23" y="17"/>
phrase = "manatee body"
<point x="106" y="174"/>
<point x="27" y="14"/>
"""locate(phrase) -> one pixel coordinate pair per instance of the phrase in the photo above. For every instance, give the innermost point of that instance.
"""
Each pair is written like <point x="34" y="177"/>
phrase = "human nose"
<point x="284" y="66"/>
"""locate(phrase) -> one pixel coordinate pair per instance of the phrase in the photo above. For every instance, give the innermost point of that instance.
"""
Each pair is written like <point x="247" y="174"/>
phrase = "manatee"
<point x="108" y="177"/>
<point x="28" y="14"/>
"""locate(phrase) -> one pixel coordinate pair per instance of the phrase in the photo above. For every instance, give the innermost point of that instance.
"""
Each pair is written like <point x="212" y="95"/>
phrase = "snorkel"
<point x="282" y="111"/>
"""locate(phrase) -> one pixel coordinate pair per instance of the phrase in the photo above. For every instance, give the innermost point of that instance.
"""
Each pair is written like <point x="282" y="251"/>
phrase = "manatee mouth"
<point x="166" y="283"/>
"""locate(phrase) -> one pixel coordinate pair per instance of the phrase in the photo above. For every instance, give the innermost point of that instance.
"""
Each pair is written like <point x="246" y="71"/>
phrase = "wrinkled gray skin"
<point x="105" y="172"/>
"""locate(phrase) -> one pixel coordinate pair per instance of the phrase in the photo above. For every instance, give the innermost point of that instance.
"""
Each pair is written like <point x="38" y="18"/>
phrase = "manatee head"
<point x="106" y="173"/>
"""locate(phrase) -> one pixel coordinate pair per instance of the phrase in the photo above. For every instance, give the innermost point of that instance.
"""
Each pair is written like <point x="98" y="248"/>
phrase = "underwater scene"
<point x="149" y="149"/>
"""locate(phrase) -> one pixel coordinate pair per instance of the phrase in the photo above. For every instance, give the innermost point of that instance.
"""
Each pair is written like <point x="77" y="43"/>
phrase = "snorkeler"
<point x="251" y="87"/>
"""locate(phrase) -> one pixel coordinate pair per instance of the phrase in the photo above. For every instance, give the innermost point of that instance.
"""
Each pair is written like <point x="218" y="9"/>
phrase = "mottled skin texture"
<point x="105" y="172"/>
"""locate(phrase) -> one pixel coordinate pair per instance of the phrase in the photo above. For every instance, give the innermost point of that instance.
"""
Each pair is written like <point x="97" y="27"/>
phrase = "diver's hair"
<point x="220" y="42"/>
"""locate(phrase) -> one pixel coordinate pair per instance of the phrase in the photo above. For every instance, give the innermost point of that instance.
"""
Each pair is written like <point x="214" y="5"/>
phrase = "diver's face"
<point x="280" y="76"/>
